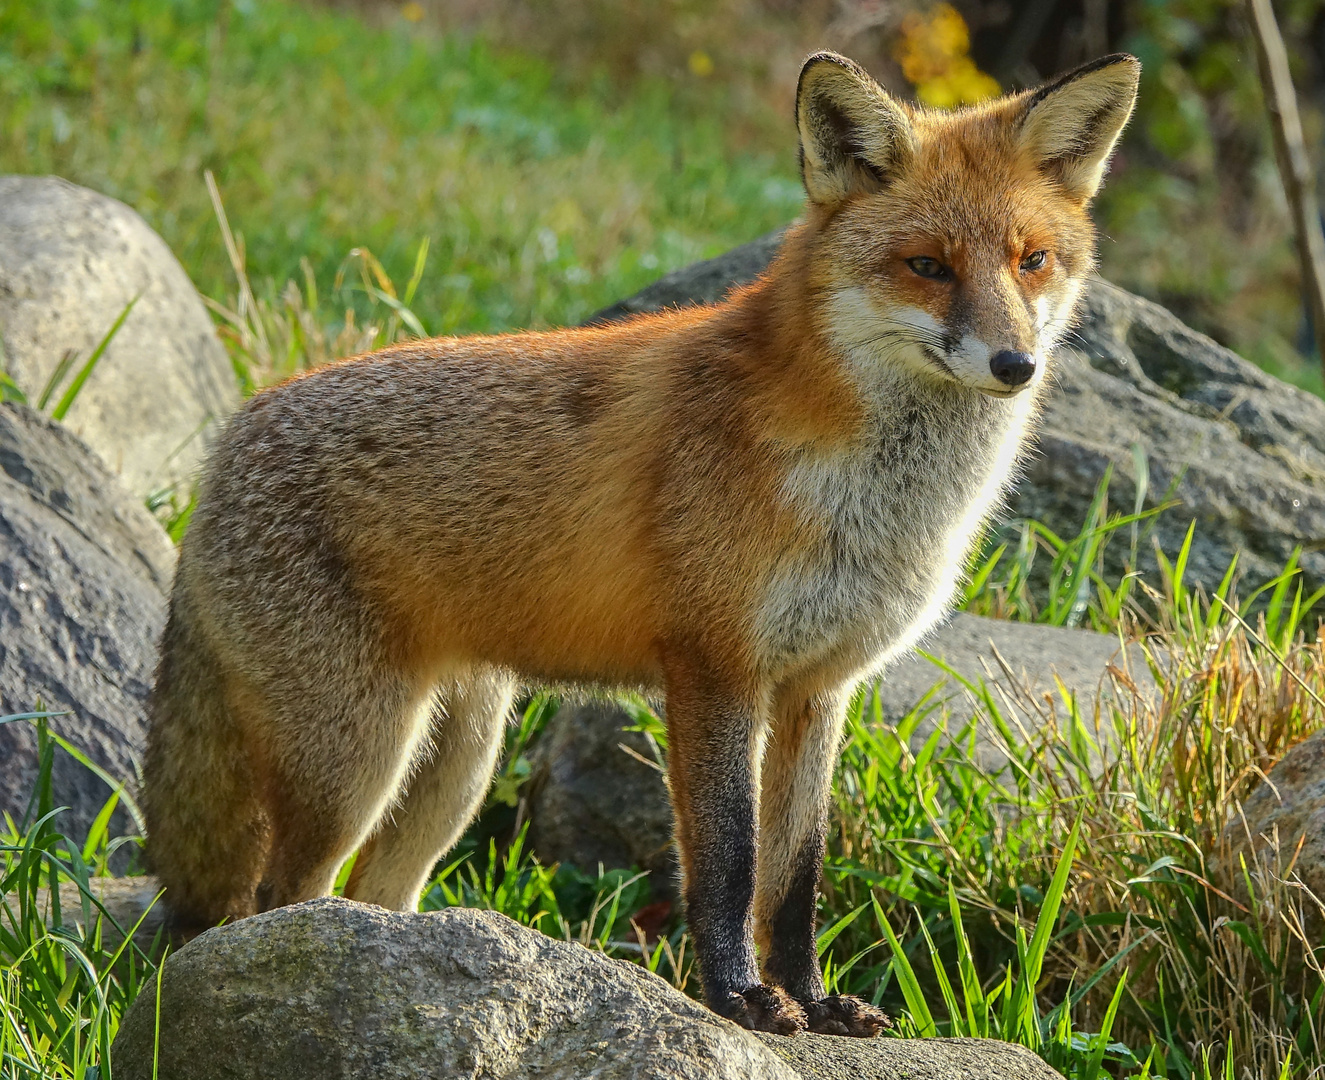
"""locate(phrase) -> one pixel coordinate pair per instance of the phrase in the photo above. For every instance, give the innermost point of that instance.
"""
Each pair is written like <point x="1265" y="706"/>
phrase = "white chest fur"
<point x="890" y="520"/>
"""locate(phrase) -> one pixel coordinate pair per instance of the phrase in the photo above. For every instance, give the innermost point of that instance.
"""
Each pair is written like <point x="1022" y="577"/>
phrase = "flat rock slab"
<point x="84" y="571"/>
<point x="70" y="260"/>
<point x="1022" y="663"/>
<point x="331" y="988"/>
<point x="826" y="1058"/>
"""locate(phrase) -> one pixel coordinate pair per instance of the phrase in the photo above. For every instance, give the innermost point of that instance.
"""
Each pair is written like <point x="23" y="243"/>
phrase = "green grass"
<point x="63" y="987"/>
<point x="541" y="202"/>
<point x="1079" y="900"/>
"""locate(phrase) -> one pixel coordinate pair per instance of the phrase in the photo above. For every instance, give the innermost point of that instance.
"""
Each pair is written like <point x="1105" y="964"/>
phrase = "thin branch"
<point x="1290" y="150"/>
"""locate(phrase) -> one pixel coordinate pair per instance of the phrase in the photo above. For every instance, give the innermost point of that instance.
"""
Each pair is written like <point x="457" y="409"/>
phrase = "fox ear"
<point x="852" y="134"/>
<point x="1070" y="125"/>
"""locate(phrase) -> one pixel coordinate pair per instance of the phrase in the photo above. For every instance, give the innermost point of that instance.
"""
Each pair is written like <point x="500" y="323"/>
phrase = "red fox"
<point x="751" y="506"/>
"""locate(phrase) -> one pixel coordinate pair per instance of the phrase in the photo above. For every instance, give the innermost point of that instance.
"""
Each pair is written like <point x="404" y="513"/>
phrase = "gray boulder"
<point x="595" y="794"/>
<point x="84" y="572"/>
<point x="1243" y="452"/>
<point x="70" y="260"/>
<point x="331" y="988"/>
<point x="1286" y="809"/>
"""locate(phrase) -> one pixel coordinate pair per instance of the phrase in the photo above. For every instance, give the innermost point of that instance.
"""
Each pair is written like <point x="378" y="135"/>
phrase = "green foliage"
<point x="541" y="202"/>
<point x="70" y="394"/>
<point x="562" y="901"/>
<point x="1193" y="215"/>
<point x="1003" y="580"/>
<point x="65" y="980"/>
<point x="515" y="768"/>
<point x="1155" y="955"/>
<point x="1006" y="578"/>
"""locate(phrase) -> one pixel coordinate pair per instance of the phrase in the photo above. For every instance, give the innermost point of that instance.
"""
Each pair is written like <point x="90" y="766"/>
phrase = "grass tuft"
<point x="66" y="977"/>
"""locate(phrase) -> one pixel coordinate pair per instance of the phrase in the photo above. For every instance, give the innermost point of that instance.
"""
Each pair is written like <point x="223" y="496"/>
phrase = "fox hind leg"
<point x="442" y="794"/>
<point x="797" y="771"/>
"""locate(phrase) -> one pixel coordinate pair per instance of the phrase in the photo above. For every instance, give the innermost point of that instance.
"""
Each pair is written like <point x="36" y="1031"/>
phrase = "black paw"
<point x="842" y="1014"/>
<point x="765" y="1008"/>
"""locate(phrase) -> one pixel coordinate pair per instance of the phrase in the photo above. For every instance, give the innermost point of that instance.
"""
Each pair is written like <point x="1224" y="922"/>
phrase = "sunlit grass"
<point x="64" y="981"/>
<point x="1223" y="962"/>
<point x="540" y="202"/>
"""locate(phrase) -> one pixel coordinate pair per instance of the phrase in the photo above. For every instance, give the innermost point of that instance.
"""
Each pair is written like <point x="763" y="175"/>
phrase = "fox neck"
<point x="893" y="473"/>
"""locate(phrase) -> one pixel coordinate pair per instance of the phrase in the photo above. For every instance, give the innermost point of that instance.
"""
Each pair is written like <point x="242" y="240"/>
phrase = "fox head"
<point x="957" y="243"/>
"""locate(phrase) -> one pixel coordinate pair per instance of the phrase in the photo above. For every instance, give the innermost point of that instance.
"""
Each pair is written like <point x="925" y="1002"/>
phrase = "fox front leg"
<point x="713" y="736"/>
<point x="797" y="772"/>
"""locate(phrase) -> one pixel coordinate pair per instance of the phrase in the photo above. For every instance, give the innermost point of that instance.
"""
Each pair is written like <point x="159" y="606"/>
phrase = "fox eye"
<point x="927" y="267"/>
<point x="1035" y="260"/>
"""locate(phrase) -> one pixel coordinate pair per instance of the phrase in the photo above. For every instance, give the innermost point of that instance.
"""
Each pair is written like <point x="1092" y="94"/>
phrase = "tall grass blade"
<point x="1096" y="1059"/>
<point x="977" y="1022"/>
<point x="955" y="1017"/>
<point x="906" y="978"/>
<point x="58" y="373"/>
<point x="829" y="933"/>
<point x="70" y="395"/>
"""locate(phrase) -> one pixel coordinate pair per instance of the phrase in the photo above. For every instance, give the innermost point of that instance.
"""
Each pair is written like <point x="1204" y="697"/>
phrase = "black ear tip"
<point x="1122" y="61"/>
<point x="1133" y="63"/>
<point x="1112" y="60"/>
<point x="826" y="56"/>
<point x="837" y="60"/>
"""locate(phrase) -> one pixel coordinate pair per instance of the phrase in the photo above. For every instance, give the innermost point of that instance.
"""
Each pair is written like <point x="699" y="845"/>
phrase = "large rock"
<point x="331" y="988"/>
<point x="595" y="794"/>
<point x="84" y="571"/>
<point x="1243" y="452"/>
<point x="1286" y="809"/>
<point x="70" y="260"/>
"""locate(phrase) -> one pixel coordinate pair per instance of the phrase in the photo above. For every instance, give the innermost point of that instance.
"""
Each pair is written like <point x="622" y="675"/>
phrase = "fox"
<point x="748" y="506"/>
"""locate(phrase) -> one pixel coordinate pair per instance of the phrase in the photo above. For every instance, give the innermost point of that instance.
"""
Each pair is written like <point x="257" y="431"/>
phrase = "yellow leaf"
<point x="933" y="51"/>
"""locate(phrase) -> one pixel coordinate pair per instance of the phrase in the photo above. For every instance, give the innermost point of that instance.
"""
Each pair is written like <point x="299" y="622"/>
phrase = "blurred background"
<point x="525" y="162"/>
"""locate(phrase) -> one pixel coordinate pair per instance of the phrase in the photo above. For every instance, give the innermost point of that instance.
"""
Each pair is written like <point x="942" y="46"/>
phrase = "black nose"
<point x="1012" y="368"/>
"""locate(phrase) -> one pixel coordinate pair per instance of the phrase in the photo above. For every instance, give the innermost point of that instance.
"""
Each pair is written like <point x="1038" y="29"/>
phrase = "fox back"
<point x="749" y="505"/>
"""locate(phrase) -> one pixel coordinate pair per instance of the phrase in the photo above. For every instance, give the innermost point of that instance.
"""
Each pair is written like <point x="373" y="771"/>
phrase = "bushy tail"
<point x="207" y="831"/>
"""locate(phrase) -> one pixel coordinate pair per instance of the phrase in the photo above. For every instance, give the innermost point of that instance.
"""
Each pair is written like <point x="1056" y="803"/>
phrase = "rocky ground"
<point x="335" y="988"/>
